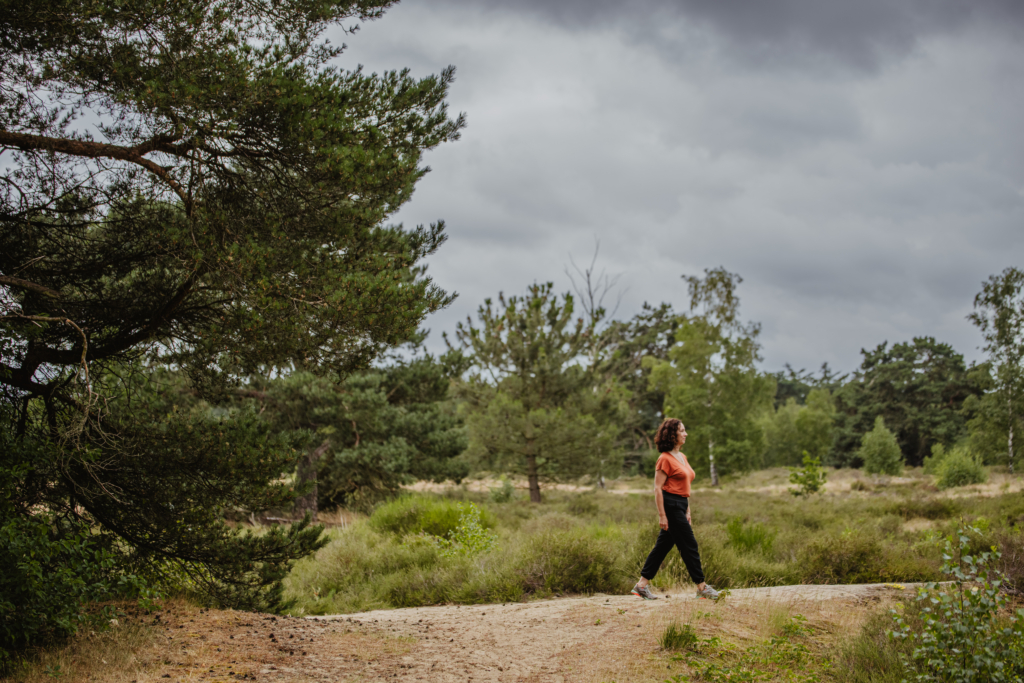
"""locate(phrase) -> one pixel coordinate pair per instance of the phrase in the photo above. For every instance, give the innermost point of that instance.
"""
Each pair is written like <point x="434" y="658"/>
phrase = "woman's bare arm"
<point x="659" y="480"/>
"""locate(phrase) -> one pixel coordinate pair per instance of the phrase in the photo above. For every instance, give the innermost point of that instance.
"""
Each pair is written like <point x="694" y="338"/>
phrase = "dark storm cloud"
<point x="861" y="164"/>
<point x="860" y="34"/>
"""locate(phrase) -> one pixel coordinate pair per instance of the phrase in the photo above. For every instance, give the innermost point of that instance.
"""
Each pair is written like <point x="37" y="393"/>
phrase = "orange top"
<point x="680" y="474"/>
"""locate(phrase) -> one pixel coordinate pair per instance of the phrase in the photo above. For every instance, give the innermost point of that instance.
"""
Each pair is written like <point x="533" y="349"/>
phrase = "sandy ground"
<point x="529" y="641"/>
<point x="591" y="639"/>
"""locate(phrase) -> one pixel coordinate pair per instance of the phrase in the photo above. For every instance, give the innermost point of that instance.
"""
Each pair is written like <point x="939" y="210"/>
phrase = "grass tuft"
<point x="679" y="637"/>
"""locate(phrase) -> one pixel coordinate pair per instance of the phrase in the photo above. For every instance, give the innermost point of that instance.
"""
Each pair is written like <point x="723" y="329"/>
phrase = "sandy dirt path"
<point x="563" y="640"/>
<point x="527" y="641"/>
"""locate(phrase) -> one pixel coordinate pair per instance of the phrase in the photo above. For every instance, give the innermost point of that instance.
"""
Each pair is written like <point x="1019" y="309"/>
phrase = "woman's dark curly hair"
<point x="668" y="435"/>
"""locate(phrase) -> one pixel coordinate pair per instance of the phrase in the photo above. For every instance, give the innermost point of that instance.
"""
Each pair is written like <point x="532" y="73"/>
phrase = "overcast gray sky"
<point x="860" y="164"/>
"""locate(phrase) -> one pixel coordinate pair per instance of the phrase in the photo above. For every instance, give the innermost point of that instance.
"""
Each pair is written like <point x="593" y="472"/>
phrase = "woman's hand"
<point x="663" y="522"/>
<point x="688" y="520"/>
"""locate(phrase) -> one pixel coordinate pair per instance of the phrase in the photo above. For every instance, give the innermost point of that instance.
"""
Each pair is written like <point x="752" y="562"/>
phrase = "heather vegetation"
<point x="752" y="533"/>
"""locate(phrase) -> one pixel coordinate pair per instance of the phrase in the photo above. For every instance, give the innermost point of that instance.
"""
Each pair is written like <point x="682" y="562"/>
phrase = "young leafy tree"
<point x="194" y="184"/>
<point x="531" y="407"/>
<point x="919" y="387"/>
<point x="999" y="314"/>
<point x="710" y="381"/>
<point x="880" y="451"/>
<point x="794" y="430"/>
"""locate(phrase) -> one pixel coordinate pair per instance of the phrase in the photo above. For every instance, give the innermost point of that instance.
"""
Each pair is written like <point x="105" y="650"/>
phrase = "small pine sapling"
<point x="809" y="479"/>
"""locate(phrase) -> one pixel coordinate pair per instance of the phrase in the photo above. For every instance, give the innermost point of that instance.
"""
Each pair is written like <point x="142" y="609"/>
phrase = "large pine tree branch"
<point x="101" y="150"/>
<point x="25" y="284"/>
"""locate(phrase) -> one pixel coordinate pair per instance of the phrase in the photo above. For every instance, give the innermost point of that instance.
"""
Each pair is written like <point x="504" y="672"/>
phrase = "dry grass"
<point x="110" y="656"/>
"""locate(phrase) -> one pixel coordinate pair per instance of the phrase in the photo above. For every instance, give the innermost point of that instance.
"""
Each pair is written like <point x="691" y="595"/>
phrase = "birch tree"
<point x="999" y="314"/>
<point x="710" y="381"/>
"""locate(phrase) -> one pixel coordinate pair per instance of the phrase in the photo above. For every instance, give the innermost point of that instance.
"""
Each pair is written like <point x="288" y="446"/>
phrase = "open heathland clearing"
<point x="751" y="530"/>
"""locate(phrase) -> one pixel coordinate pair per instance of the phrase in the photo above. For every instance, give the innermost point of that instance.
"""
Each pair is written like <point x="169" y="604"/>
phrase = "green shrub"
<point x="857" y="557"/>
<point x="930" y="508"/>
<point x="425" y="585"/>
<point x="752" y="538"/>
<point x="573" y="561"/>
<point x="931" y="463"/>
<point x="582" y="505"/>
<point x="420" y="514"/>
<point x="844" y="558"/>
<point x="469" y="537"/>
<point x="880" y="450"/>
<point x="962" y="636"/>
<point x="504" y="493"/>
<point x="648" y="461"/>
<point x="959" y="468"/>
<point x="49" y="572"/>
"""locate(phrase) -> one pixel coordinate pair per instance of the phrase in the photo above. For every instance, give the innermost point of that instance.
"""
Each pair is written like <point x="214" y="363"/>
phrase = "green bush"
<point x="959" y="468"/>
<point x="932" y="508"/>
<point x="931" y="463"/>
<point x="963" y="636"/>
<point x="49" y="573"/>
<point x="872" y="656"/>
<point x="880" y="450"/>
<point x="572" y="561"/>
<point x="752" y="538"/>
<point x="648" y="461"/>
<point x="504" y="493"/>
<point x="858" y="557"/>
<point x="469" y="537"/>
<point x="844" y="558"/>
<point x="582" y="505"/>
<point x="420" y="514"/>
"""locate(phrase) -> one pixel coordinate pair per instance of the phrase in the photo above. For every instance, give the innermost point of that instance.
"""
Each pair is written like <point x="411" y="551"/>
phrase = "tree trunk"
<point x="711" y="459"/>
<point x="1009" y="448"/>
<point x="306" y="474"/>
<point x="533" y="478"/>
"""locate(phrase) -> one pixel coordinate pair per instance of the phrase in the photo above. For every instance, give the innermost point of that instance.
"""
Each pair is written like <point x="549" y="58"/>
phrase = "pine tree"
<point x="532" y="406"/>
<point x="364" y="437"/>
<point x="222" y="212"/>
<point x="919" y="387"/>
<point x="880" y="451"/>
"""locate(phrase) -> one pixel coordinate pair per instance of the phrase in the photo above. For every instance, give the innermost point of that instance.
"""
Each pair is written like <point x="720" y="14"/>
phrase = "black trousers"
<point x="680" y="535"/>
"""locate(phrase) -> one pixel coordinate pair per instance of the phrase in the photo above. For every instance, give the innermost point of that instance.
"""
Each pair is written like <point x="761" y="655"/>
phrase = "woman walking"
<point x="672" y="478"/>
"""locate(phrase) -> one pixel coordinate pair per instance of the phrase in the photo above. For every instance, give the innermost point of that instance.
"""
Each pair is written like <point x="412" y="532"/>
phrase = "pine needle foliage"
<point x="192" y="185"/>
<point x="532" y="407"/>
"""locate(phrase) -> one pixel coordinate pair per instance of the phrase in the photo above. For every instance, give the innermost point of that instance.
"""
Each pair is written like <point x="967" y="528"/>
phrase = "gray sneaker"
<point x="708" y="593"/>
<point x="644" y="592"/>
